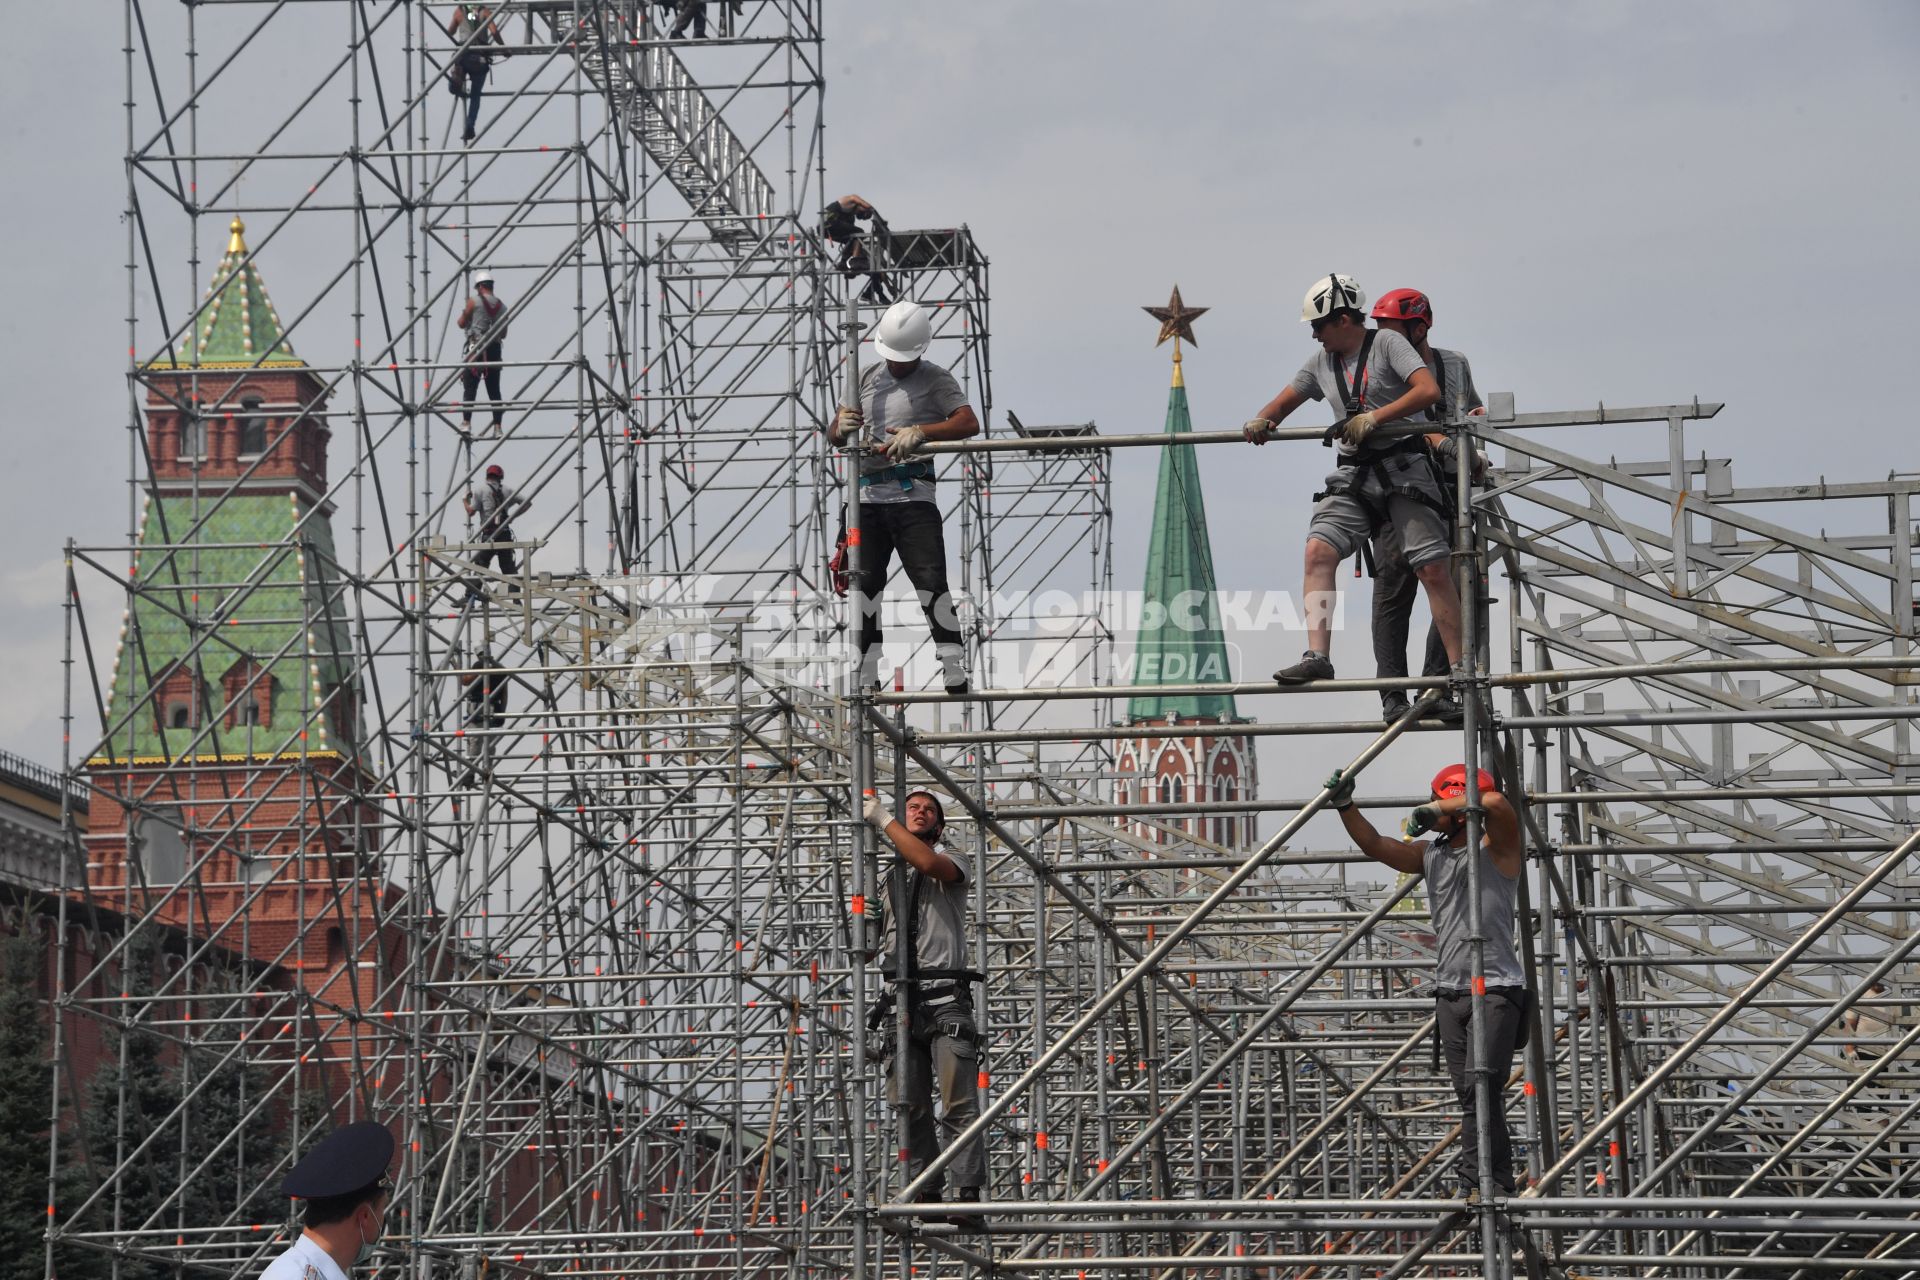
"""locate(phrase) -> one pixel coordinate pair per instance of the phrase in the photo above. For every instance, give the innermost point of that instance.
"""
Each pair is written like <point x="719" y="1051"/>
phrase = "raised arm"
<point x="1402" y="855"/>
<point x="924" y="858"/>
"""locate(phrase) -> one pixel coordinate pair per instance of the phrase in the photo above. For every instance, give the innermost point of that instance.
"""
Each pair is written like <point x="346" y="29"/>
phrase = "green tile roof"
<point x="1187" y="645"/>
<point x="254" y="589"/>
<point x="236" y="325"/>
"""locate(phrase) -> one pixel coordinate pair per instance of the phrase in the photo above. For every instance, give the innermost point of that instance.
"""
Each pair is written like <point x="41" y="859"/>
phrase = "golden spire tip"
<point x="237" y="245"/>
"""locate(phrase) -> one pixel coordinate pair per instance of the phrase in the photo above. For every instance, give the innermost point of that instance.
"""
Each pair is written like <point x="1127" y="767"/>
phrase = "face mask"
<point x="361" y="1254"/>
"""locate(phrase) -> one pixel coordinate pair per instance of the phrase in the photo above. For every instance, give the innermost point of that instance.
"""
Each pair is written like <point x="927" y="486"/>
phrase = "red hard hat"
<point x="1452" y="781"/>
<point x="494" y="472"/>
<point x="1404" y="304"/>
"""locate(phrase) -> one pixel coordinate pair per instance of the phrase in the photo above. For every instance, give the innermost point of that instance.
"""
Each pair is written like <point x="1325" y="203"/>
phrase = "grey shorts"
<point x="1341" y="521"/>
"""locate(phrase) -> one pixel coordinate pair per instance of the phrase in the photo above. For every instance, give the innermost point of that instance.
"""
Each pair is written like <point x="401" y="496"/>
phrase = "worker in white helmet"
<point x="905" y="401"/>
<point x="1372" y="377"/>
<point x="485" y="320"/>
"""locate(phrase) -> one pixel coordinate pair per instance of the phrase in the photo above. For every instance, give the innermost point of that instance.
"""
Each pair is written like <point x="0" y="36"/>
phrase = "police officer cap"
<point x="351" y="1157"/>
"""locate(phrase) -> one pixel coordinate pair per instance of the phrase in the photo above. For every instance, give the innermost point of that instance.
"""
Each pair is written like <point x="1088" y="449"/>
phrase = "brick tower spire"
<point x="1180" y="641"/>
<point x="230" y="768"/>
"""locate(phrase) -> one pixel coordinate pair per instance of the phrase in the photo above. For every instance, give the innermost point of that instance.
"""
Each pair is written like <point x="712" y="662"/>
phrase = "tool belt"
<point x="906" y="473"/>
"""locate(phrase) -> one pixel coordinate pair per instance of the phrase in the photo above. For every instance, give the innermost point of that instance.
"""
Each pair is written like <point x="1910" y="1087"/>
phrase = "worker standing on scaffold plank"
<point x="943" y="1039"/>
<point x="484" y="319"/>
<point x="1507" y="1001"/>
<point x="1409" y="313"/>
<point x="903" y="403"/>
<point x="1374" y="378"/>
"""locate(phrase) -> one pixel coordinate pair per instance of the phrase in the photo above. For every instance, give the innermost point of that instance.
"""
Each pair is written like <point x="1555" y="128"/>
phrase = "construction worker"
<point x="484" y="319"/>
<point x="343" y="1181"/>
<point x="1409" y="313"/>
<point x="904" y="402"/>
<point x="690" y="11"/>
<point x="496" y="505"/>
<point x="1373" y="377"/>
<point x="1867" y="1028"/>
<point x="1507" y="1002"/>
<point x="943" y="1040"/>
<point x="860" y="248"/>
<point x="473" y="29"/>
<point x="486" y="687"/>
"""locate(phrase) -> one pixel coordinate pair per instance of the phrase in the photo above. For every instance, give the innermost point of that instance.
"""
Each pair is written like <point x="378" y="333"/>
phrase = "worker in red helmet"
<point x="495" y="504"/>
<point x="1409" y="313"/>
<point x="1443" y="861"/>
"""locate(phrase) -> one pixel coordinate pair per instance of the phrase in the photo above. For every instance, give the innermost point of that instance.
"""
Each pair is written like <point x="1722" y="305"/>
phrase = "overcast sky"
<point x="1629" y="202"/>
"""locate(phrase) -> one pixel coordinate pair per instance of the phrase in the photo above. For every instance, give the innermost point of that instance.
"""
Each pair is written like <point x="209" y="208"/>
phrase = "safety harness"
<point x="951" y="1004"/>
<point x="905" y="472"/>
<point x="1353" y="398"/>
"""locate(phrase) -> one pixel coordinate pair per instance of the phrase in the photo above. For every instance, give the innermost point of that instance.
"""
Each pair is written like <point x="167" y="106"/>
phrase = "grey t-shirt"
<point x="488" y="324"/>
<point x="1391" y="365"/>
<point x="1458" y="395"/>
<point x="494" y="505"/>
<point x="929" y="394"/>
<point x="1447" y="897"/>
<point x="940" y="925"/>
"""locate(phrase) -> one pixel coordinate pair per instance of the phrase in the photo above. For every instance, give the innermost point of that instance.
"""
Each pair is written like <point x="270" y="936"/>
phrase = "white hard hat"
<point x="1330" y="294"/>
<point x="483" y="276"/>
<point x="905" y="332"/>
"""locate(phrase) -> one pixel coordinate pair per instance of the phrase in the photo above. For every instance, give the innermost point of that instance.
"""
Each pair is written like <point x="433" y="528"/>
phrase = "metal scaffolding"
<point x="598" y="954"/>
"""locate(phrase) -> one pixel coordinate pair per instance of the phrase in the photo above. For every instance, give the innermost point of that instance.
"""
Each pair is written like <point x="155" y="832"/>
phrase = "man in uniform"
<point x="943" y="1041"/>
<point x="1443" y="862"/>
<point x="1409" y="313"/>
<point x="344" y="1183"/>
<point x="1373" y="377"/>
<point x="904" y="401"/>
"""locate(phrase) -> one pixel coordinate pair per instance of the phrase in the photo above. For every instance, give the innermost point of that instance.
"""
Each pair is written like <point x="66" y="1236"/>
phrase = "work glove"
<point x="1342" y="788"/>
<point x="878" y="816"/>
<point x="1258" y="430"/>
<point x="904" y="442"/>
<point x="1358" y="427"/>
<point x="847" y="424"/>
<point x="1422" y="820"/>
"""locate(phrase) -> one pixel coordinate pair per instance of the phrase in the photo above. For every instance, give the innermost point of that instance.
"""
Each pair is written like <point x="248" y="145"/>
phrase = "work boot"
<point x="1312" y="666"/>
<point x="969" y="1222"/>
<point x="1445" y="710"/>
<point x="1393" y="705"/>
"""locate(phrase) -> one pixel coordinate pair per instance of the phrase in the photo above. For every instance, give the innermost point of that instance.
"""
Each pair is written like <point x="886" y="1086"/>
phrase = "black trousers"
<point x="509" y="563"/>
<point x="487" y="367"/>
<point x="912" y="529"/>
<point x="694" y="11"/>
<point x="1456" y="1044"/>
<point x="1395" y="588"/>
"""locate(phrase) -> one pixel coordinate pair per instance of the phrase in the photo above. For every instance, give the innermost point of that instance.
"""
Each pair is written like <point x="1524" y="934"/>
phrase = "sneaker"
<point x="1446" y="711"/>
<point x="1393" y="706"/>
<point x="467" y="136"/>
<point x="1312" y="666"/>
<point x="960" y="690"/>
